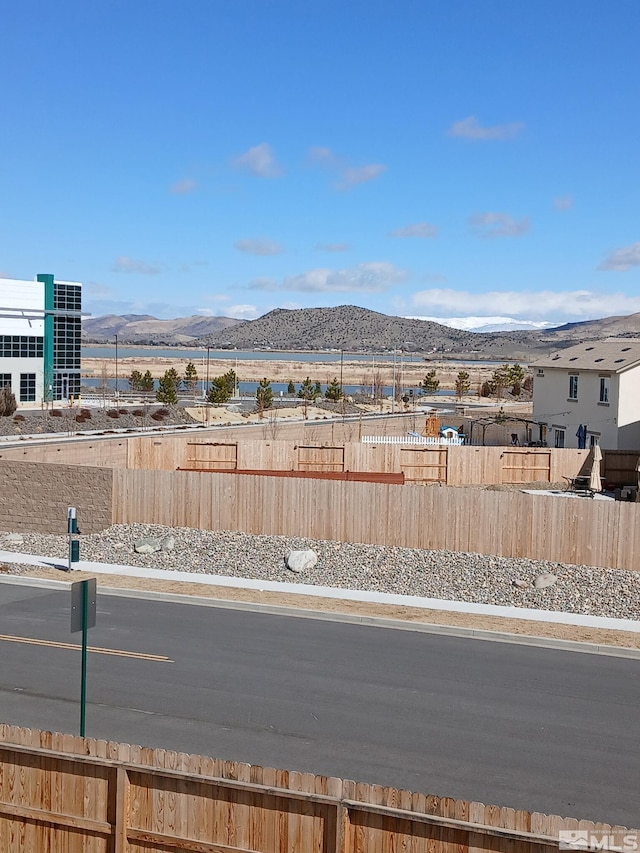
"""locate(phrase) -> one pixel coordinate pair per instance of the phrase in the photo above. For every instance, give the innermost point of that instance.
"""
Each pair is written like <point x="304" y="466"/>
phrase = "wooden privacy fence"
<point x="453" y="465"/>
<point x="66" y="794"/>
<point x="511" y="524"/>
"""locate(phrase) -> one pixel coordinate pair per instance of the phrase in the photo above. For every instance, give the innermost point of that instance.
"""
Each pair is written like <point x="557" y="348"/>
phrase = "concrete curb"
<point x="533" y="615"/>
<point x="453" y="631"/>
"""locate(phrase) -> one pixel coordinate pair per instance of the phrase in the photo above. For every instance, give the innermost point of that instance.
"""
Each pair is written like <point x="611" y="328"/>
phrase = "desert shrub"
<point x="18" y="418"/>
<point x="156" y="416"/>
<point x="486" y="389"/>
<point x="86" y="414"/>
<point x="113" y="413"/>
<point x="137" y="413"/>
<point x="8" y="403"/>
<point x="163" y="412"/>
<point x="80" y="419"/>
<point x="55" y="413"/>
<point x="123" y="411"/>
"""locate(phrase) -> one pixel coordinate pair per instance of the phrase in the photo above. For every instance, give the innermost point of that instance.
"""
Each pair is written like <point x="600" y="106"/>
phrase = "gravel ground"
<point x="69" y="421"/>
<point x="406" y="571"/>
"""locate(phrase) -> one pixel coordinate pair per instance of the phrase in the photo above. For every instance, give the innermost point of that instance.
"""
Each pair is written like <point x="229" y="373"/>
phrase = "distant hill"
<point x="348" y="327"/>
<point x="145" y="329"/>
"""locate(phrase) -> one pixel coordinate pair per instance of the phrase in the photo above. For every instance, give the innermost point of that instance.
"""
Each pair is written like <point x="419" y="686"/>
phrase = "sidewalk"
<point x="300" y="589"/>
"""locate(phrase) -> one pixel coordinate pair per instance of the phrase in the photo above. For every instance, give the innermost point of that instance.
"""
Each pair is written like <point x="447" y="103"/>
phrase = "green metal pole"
<point x="83" y="683"/>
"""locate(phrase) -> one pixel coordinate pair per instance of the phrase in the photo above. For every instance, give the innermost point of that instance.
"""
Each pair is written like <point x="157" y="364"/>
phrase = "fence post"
<point x="121" y="811"/>
<point x="342" y="828"/>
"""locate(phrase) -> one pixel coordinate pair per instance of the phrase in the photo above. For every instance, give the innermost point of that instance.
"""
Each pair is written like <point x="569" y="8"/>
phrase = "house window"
<point x="559" y="437"/>
<point x="593" y="440"/>
<point x="27" y="387"/>
<point x="5" y="380"/>
<point x="604" y="389"/>
<point x="573" y="387"/>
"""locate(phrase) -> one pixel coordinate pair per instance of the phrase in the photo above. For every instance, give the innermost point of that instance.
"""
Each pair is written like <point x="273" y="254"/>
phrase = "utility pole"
<point x="116" y="367"/>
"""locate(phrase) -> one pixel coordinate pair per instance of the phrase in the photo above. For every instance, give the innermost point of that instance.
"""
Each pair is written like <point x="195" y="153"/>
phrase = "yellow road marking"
<point x="8" y="638"/>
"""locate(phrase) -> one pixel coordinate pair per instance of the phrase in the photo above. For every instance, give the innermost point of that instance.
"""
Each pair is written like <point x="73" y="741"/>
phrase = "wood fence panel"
<point x="572" y="530"/>
<point x="313" y="458"/>
<point x="98" y="453"/>
<point x="619" y="466"/>
<point x="424" y="465"/>
<point x="169" y="801"/>
<point x="521" y="465"/>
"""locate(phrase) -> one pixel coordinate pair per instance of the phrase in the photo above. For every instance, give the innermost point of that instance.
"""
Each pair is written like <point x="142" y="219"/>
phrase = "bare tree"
<point x="272" y="428"/>
<point x="103" y="386"/>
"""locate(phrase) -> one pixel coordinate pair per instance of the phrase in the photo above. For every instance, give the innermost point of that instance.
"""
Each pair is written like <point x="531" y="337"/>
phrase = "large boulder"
<point x="169" y="543"/>
<point x="544" y="580"/>
<point x="147" y="545"/>
<point x="301" y="561"/>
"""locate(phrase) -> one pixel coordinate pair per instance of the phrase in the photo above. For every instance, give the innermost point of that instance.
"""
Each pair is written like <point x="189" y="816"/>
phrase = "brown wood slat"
<point x="59" y="819"/>
<point x="181" y="843"/>
<point x="352" y="476"/>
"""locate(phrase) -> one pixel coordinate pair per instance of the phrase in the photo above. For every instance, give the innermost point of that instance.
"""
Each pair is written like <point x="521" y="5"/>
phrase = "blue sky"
<point x="439" y="159"/>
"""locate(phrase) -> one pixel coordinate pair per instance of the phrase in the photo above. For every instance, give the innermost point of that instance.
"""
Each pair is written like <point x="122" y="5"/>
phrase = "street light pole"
<point x="116" y="367"/>
<point x="207" y="389"/>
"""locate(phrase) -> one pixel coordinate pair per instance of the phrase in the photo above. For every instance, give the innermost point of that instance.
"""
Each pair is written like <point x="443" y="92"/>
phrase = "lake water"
<point x="248" y="389"/>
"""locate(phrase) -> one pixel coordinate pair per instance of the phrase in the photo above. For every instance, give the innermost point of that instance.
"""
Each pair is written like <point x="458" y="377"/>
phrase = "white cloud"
<point x="183" y="187"/>
<point x="354" y="175"/>
<point x="126" y="264"/>
<point x="418" y="229"/>
<point x="259" y="161"/>
<point x="333" y="247"/>
<point x="488" y="225"/>
<point x="470" y="128"/>
<point x="373" y="277"/>
<point x="563" y="202"/>
<point x="349" y="176"/>
<point x="553" y="305"/>
<point x="321" y="154"/>
<point x="242" y="312"/>
<point x="623" y="259"/>
<point x="95" y="289"/>
<point x="259" y="247"/>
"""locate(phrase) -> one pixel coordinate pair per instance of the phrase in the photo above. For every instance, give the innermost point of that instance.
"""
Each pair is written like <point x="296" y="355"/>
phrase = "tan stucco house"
<point x="590" y="394"/>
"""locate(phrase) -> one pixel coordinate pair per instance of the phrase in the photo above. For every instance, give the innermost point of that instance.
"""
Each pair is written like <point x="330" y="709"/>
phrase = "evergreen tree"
<point x="264" y="396"/>
<point x="516" y="378"/>
<point x="308" y="393"/>
<point x="501" y="379"/>
<point x="135" y="380"/>
<point x="190" y="378"/>
<point x="463" y="384"/>
<point x="222" y="387"/>
<point x="167" y="389"/>
<point x="147" y="383"/>
<point x="334" y="390"/>
<point x="430" y="384"/>
<point x="291" y="388"/>
<point x="318" y="389"/>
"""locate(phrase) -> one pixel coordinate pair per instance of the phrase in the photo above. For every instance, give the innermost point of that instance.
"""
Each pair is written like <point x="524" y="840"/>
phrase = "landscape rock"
<point x="168" y="543"/>
<point x="521" y="584"/>
<point x="544" y="580"/>
<point x="450" y="575"/>
<point x="147" y="545"/>
<point x="16" y="538"/>
<point x="301" y="561"/>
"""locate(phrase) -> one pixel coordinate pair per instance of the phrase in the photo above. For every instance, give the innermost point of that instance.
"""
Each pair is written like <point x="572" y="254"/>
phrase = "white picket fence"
<point x="431" y="441"/>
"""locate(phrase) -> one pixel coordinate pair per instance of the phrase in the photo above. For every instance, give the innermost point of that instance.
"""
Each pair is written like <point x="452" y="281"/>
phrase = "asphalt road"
<point x="517" y="726"/>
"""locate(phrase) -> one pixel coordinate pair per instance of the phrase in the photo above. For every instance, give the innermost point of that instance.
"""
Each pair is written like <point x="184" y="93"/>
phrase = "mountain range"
<point x="349" y="327"/>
